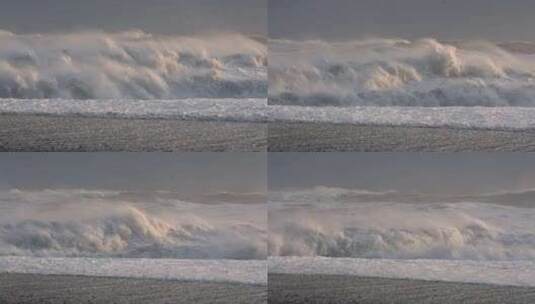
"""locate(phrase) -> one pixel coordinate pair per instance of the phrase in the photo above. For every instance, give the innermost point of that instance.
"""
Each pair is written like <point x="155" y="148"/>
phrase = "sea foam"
<point x="81" y="223"/>
<point x="227" y="271"/>
<point x="396" y="72"/>
<point x="359" y="224"/>
<point x="131" y="65"/>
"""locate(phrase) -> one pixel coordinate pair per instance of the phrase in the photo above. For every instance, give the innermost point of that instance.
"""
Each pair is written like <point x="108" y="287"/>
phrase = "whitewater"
<point x="397" y="72"/>
<point x="225" y="77"/>
<point x="231" y="271"/>
<point x="479" y="238"/>
<point x="121" y="224"/>
<point x="131" y="65"/>
<point x="258" y="111"/>
<point x="334" y="222"/>
<point x="214" y="109"/>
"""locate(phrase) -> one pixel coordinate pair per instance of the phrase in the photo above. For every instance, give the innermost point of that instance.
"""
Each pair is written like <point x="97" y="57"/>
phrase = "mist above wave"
<point x="131" y="65"/>
<point x="389" y="72"/>
<point x="354" y="223"/>
<point x="72" y="223"/>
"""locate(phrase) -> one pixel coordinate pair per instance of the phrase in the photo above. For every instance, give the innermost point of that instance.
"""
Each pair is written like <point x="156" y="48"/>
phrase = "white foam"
<point x="253" y="110"/>
<point x="250" y="272"/>
<point x="396" y="72"/>
<point x="506" y="118"/>
<point x="518" y="273"/>
<point x="335" y="222"/>
<point x="131" y="65"/>
<point x="81" y="223"/>
<point x="257" y="110"/>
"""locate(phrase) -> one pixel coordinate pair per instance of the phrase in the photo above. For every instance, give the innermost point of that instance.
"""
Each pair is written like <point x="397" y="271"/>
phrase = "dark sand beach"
<point x="63" y="289"/>
<point x="55" y="133"/>
<point x="325" y="137"/>
<point x="23" y="132"/>
<point x="297" y="289"/>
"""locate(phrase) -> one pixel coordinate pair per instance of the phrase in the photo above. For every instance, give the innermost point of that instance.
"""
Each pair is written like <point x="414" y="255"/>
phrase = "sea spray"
<point x="131" y="65"/>
<point x="395" y="72"/>
<point x="81" y="223"/>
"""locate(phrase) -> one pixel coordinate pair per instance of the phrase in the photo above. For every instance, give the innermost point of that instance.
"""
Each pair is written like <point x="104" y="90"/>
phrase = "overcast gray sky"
<point x="499" y="20"/>
<point x="194" y="173"/>
<point x="154" y="16"/>
<point x="453" y="173"/>
<point x="191" y="173"/>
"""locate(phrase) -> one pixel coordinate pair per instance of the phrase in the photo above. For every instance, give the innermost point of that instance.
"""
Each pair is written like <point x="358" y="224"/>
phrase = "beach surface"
<point x="330" y="137"/>
<point x="52" y="289"/>
<point x="313" y="288"/>
<point x="30" y="132"/>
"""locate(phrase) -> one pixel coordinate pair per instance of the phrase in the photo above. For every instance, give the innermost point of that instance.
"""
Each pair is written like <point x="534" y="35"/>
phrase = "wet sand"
<point x="63" y="289"/>
<point x="297" y="289"/>
<point x="25" y="132"/>
<point x="325" y="137"/>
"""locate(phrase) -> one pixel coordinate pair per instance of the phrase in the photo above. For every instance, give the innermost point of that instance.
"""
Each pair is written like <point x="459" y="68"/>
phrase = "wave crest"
<point x="131" y="65"/>
<point x="104" y="224"/>
<point x="386" y="72"/>
<point x="347" y="223"/>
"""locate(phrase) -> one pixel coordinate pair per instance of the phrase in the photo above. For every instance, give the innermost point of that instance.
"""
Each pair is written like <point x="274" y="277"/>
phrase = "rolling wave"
<point x="131" y="65"/>
<point x="390" y="72"/>
<point x="374" y="225"/>
<point x="73" y="223"/>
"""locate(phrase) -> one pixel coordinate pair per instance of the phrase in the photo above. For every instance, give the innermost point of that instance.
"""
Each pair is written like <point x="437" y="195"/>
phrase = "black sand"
<point x="325" y="137"/>
<point x="62" y="289"/>
<point x="297" y="289"/>
<point x="21" y="132"/>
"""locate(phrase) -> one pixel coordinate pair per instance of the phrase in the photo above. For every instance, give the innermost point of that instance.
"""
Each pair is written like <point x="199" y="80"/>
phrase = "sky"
<point x="189" y="173"/>
<point x="494" y="20"/>
<point x="441" y="173"/>
<point x="201" y="173"/>
<point x="180" y="17"/>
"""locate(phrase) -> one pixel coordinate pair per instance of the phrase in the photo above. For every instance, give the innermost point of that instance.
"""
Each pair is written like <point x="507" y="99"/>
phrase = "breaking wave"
<point x="71" y="223"/>
<point x="388" y="72"/>
<point x="323" y="194"/>
<point x="131" y="65"/>
<point x="354" y="224"/>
